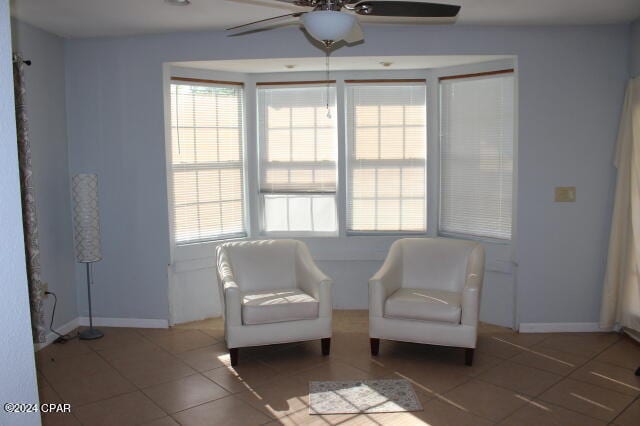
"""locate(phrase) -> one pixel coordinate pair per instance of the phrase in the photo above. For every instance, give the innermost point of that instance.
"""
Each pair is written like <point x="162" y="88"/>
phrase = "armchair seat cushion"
<point x="278" y="305"/>
<point x="424" y="305"/>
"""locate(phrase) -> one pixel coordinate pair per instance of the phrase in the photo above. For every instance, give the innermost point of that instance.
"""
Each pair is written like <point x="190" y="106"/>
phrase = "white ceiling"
<point x="93" y="18"/>
<point x="338" y="63"/>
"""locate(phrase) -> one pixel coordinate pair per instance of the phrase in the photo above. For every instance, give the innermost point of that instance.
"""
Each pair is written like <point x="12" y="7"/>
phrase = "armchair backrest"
<point x="435" y="263"/>
<point x="263" y="264"/>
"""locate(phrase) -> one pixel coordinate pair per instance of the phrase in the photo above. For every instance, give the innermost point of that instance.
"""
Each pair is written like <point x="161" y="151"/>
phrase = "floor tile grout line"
<point x="577" y="379"/>
<point x="533" y="398"/>
<point x="358" y="366"/>
<point x="142" y="388"/>
<point x="577" y="366"/>
<point x="520" y="392"/>
<point x="175" y="420"/>
<point x="637" y="398"/>
<point x="221" y="398"/>
<point x="197" y="405"/>
<point x="42" y="415"/>
<point x="530" y="366"/>
<point x="538" y="398"/>
<point x="592" y="357"/>
<point x="138" y="388"/>
<point x="566" y="376"/>
<point x="542" y="401"/>
<point x="102" y="399"/>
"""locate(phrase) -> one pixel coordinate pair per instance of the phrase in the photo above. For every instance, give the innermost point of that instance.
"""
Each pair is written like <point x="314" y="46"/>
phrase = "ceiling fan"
<point x="333" y="20"/>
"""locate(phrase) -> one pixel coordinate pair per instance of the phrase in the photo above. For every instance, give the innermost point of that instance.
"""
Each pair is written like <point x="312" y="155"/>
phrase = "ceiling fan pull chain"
<point x="328" y="83"/>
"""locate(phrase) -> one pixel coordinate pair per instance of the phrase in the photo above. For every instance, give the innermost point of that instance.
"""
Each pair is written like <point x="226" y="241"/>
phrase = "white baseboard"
<point x="125" y="322"/>
<point x="104" y="322"/>
<point x="63" y="329"/>
<point x="561" y="327"/>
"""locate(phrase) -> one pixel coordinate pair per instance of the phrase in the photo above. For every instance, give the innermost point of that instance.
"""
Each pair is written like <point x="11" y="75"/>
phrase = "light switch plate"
<point x="565" y="194"/>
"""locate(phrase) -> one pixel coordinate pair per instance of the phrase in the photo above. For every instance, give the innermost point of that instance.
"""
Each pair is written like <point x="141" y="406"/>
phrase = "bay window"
<point x="294" y="141"/>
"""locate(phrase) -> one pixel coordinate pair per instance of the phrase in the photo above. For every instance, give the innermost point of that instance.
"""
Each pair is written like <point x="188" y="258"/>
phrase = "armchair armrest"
<point x="473" y="287"/>
<point x="230" y="294"/>
<point x="313" y="281"/>
<point x="387" y="280"/>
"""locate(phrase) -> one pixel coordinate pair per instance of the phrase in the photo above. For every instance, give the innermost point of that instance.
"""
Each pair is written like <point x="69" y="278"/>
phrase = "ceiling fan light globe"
<point x="328" y="25"/>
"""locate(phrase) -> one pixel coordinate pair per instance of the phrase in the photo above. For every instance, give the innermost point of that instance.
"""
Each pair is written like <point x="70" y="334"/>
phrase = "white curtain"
<point x="621" y="293"/>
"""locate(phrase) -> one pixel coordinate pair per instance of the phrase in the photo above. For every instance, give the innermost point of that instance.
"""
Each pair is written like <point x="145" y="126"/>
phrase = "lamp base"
<point x="90" y="334"/>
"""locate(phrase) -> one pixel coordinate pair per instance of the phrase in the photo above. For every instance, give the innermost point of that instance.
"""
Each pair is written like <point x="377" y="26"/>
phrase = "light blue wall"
<point x="45" y="102"/>
<point x="569" y="104"/>
<point x="635" y="49"/>
<point x="17" y="371"/>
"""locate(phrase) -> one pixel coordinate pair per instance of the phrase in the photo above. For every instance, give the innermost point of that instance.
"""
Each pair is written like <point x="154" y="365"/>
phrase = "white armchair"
<point x="428" y="291"/>
<point x="272" y="292"/>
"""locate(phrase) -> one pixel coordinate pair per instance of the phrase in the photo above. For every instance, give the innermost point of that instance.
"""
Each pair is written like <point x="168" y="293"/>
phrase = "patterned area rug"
<point x="362" y="396"/>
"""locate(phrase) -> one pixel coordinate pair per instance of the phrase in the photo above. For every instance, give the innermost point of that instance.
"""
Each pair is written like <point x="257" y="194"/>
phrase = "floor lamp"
<point x="86" y="231"/>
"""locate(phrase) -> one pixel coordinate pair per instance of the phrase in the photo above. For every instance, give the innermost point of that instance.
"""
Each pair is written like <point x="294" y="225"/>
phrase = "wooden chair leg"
<point x="326" y="345"/>
<point x="235" y="355"/>
<point x="375" y="346"/>
<point x="468" y="356"/>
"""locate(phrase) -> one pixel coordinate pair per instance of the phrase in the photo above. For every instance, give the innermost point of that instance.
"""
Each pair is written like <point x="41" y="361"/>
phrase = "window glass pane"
<point x="275" y="213"/>
<point x="300" y="213"/>
<point x="324" y="214"/>
<point x="476" y="148"/>
<point x="207" y="164"/>
<point x="299" y="209"/>
<point x="386" y="139"/>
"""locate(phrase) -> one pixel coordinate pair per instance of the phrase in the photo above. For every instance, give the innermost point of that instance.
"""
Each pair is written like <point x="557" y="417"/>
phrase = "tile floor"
<point x="182" y="376"/>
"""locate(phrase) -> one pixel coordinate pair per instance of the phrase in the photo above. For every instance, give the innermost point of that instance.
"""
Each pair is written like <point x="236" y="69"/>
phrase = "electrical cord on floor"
<point x="61" y="337"/>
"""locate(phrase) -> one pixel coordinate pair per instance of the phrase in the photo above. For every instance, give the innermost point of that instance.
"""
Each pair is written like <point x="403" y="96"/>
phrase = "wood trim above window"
<point x="391" y="80"/>
<point x="478" y="74"/>
<point x="202" y="80"/>
<point x="293" y="83"/>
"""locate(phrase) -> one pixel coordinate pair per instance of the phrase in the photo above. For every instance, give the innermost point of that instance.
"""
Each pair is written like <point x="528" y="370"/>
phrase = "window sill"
<point x="399" y="234"/>
<point x="490" y="240"/>
<point x="293" y="234"/>
<point x="212" y="241"/>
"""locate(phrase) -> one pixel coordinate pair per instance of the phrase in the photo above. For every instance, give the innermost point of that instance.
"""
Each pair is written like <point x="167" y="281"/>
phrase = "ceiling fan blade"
<point x="275" y="18"/>
<point x="406" y="8"/>
<point x="305" y="3"/>
<point x="276" y="4"/>
<point x="259" y="29"/>
<point x="355" y="35"/>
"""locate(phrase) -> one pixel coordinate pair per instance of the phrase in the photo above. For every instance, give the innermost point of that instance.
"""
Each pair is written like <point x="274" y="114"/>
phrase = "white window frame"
<point x="259" y="153"/>
<point x="168" y="75"/>
<point x="348" y="155"/>
<point x="482" y="72"/>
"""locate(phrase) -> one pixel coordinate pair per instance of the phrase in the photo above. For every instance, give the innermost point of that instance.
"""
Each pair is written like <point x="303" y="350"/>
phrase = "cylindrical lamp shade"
<point x="86" y="217"/>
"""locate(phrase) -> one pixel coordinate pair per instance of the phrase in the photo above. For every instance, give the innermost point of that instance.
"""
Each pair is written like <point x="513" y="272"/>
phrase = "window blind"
<point x="207" y="173"/>
<point x="386" y="135"/>
<point x="297" y="137"/>
<point x="476" y="155"/>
